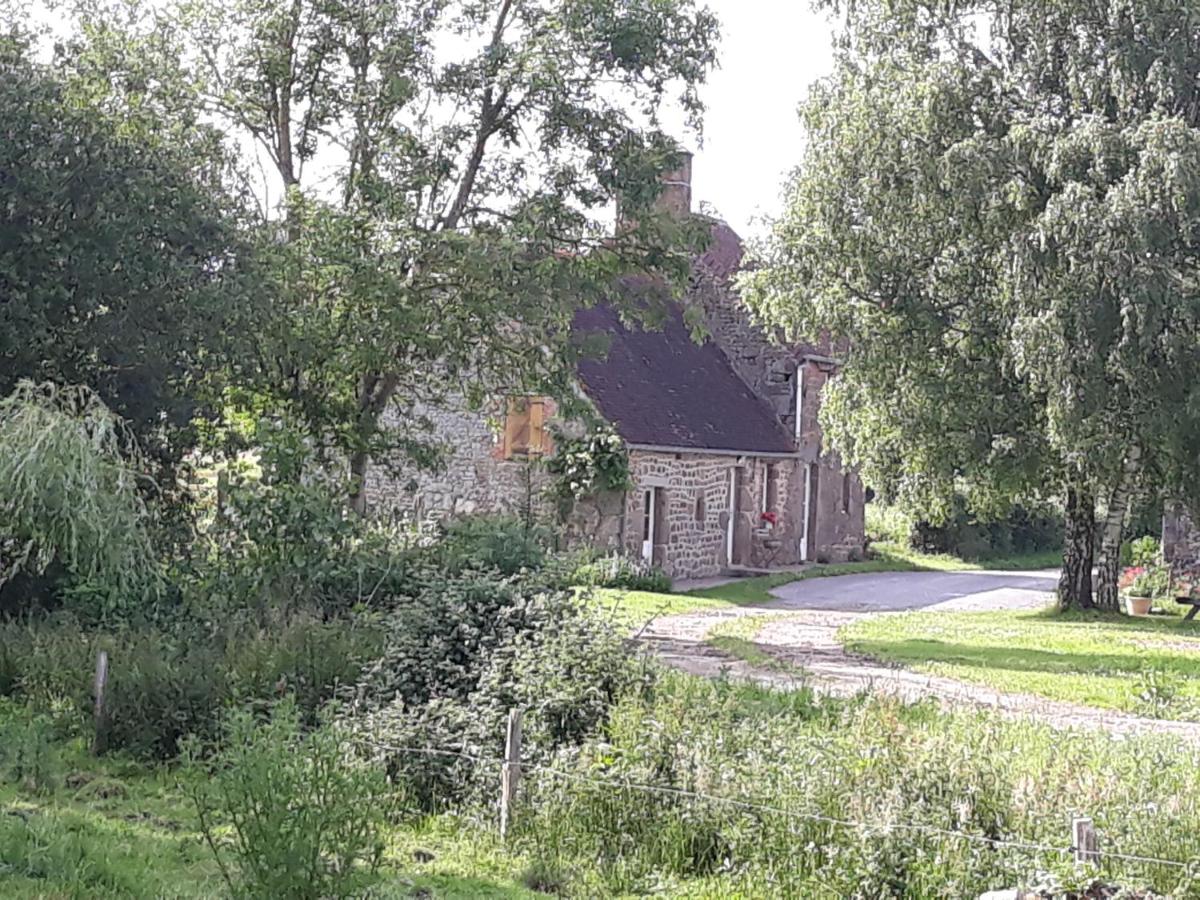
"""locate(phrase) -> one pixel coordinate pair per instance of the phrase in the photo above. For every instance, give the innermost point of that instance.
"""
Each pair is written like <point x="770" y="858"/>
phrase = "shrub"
<point x="613" y="571"/>
<point x="1143" y="551"/>
<point x="306" y="815"/>
<point x="888" y="524"/>
<point x="469" y="648"/>
<point x="1151" y="581"/>
<point x="970" y="537"/>
<point x="29" y="755"/>
<point x="167" y="683"/>
<point x="278" y="545"/>
<point x="504" y="544"/>
<point x="588" y="465"/>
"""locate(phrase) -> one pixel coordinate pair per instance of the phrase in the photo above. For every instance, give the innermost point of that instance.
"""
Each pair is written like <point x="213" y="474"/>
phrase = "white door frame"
<point x="733" y="511"/>
<point x="649" y="510"/>
<point x="804" y="541"/>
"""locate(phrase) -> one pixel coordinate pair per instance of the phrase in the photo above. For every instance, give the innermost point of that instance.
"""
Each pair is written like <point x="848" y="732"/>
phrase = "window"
<point x="770" y="494"/>
<point x="847" y="485"/>
<point x="700" y="507"/>
<point x="525" y="427"/>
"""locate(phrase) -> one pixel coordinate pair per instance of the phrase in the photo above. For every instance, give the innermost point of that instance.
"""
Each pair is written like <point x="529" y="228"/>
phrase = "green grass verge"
<point x="1147" y="666"/>
<point x="75" y="826"/>
<point x="636" y="608"/>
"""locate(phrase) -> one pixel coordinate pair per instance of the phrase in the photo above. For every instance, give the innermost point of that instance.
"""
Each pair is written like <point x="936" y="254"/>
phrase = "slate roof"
<point x="661" y="388"/>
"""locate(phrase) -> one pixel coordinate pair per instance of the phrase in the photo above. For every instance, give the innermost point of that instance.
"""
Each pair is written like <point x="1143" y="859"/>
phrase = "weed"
<point x="299" y="816"/>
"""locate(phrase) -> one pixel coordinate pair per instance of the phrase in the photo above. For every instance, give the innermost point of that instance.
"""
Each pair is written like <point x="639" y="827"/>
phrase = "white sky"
<point x="772" y="50"/>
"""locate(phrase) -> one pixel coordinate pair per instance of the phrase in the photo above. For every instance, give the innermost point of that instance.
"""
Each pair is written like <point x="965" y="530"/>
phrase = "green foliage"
<point x="29" y="754"/>
<point x="1152" y="580"/>
<point x="504" y="544"/>
<point x="166" y="683"/>
<point x="1002" y="233"/>
<point x="1143" y="551"/>
<point x="888" y="523"/>
<point x="1020" y="532"/>
<point x="281" y="537"/>
<point x="589" y="465"/>
<point x="304" y="814"/>
<point x="393" y="275"/>
<point x="70" y="497"/>
<point x="465" y="650"/>
<point x="613" y="571"/>
<point x="120" y="252"/>
<point x="868" y="760"/>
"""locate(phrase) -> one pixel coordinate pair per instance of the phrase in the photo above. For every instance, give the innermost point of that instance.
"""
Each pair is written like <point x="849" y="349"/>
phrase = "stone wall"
<point x="693" y="490"/>
<point x="692" y="538"/>
<point x="767" y="366"/>
<point x="474" y="477"/>
<point x="692" y="541"/>
<point x="771" y="369"/>
<point x="1181" y="537"/>
<point x="841" y="514"/>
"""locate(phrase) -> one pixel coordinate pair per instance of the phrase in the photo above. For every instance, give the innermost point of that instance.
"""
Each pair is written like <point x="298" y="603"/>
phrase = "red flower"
<point x="770" y="517"/>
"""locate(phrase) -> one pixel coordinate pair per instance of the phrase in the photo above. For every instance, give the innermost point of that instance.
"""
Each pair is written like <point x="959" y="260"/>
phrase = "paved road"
<point x="897" y="591"/>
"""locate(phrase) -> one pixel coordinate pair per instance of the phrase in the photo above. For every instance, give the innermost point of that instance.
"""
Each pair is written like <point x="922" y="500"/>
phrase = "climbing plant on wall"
<point x="589" y="465"/>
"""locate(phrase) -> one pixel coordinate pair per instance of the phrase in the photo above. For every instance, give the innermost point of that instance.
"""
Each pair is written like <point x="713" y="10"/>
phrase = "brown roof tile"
<point x="659" y="387"/>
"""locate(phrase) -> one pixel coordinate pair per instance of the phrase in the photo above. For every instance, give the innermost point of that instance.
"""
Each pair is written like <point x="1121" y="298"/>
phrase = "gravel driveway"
<point x="799" y="629"/>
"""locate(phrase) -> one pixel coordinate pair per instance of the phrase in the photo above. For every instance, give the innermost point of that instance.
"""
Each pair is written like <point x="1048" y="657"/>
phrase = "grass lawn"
<point x="636" y="608"/>
<point x="1147" y="666"/>
<point x="75" y="826"/>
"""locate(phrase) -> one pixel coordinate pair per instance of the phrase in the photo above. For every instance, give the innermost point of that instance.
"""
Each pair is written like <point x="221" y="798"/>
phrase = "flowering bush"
<point x="589" y="465"/>
<point x="1145" y="581"/>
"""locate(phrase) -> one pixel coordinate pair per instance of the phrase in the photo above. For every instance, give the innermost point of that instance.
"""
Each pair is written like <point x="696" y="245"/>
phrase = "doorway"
<point x="737" y="534"/>
<point x="653" y="530"/>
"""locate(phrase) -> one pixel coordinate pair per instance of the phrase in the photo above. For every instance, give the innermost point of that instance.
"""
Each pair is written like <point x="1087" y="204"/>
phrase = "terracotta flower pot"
<point x="1138" y="606"/>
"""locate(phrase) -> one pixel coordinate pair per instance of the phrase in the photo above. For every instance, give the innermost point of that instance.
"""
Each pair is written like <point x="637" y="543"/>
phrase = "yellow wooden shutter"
<point x="537" y="425"/>
<point x="516" y="428"/>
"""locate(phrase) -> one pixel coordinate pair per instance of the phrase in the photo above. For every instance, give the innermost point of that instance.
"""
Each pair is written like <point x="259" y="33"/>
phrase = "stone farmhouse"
<point x="724" y="447"/>
<point x="1181" y="538"/>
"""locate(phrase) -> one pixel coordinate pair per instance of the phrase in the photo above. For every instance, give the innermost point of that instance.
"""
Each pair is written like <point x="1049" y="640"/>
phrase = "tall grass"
<point x="906" y="773"/>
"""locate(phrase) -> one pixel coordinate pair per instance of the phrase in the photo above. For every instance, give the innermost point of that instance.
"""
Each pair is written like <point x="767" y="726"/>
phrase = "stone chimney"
<point x="674" y="197"/>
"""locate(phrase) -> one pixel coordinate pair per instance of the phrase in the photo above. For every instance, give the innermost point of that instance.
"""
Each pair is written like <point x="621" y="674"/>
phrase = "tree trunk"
<point x="1113" y="532"/>
<point x="358" y="481"/>
<point x="1079" y="541"/>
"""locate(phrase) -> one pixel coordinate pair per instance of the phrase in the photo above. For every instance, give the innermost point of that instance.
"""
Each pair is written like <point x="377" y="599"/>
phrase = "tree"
<point x="70" y="500"/>
<point x="1004" y="231"/>
<point x="462" y="149"/>
<point x="121" y="263"/>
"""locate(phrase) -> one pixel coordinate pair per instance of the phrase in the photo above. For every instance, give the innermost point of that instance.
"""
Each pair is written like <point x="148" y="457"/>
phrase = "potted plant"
<point x="1141" y="586"/>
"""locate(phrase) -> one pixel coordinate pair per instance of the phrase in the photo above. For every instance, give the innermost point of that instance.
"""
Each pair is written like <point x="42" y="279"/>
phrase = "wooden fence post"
<point x="1084" y="841"/>
<point x="100" y="710"/>
<point x="510" y="772"/>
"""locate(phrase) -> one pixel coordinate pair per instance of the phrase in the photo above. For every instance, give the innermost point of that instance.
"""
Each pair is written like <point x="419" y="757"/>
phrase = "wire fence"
<point x="1040" y="849"/>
